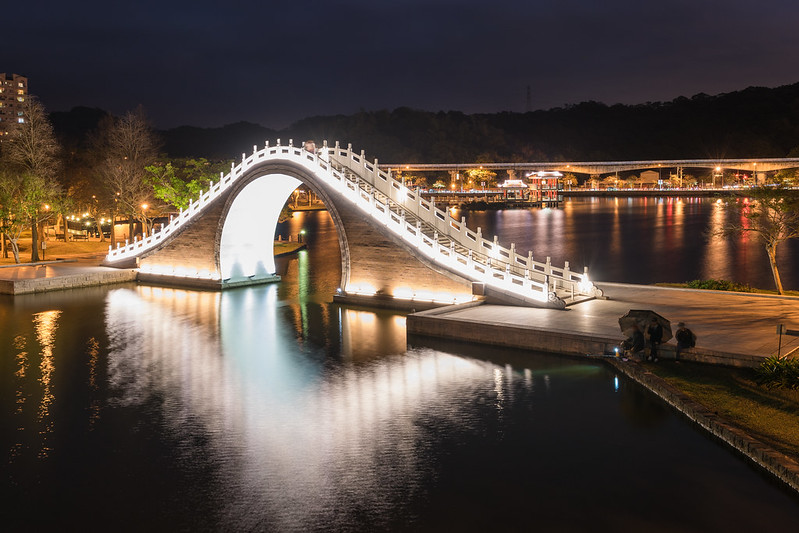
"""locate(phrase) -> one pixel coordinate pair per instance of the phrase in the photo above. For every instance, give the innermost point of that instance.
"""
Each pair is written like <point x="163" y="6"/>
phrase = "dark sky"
<point x="273" y="63"/>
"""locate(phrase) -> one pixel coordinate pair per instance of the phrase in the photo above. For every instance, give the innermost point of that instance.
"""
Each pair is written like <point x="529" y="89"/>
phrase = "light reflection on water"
<point x="270" y="409"/>
<point x="640" y="240"/>
<point x="307" y="439"/>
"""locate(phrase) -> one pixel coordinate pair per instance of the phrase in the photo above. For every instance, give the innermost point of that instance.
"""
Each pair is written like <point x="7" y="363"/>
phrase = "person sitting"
<point x="635" y="344"/>
<point x="685" y="339"/>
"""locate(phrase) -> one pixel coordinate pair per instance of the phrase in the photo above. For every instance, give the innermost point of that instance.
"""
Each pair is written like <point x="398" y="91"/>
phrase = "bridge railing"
<point x="477" y="258"/>
<point x="497" y="256"/>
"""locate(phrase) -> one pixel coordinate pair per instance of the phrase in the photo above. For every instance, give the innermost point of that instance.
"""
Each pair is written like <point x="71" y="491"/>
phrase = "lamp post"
<point x="144" y="220"/>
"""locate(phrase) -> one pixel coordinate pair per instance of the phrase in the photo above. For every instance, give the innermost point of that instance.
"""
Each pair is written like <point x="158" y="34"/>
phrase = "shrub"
<point x="779" y="372"/>
<point x="719" y="285"/>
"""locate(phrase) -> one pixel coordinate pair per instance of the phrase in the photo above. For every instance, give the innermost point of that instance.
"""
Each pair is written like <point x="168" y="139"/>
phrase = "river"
<point x="268" y="408"/>
<point x="641" y="240"/>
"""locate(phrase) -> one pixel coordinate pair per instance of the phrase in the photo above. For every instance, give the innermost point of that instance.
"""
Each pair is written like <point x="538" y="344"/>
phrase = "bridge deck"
<point x="732" y="328"/>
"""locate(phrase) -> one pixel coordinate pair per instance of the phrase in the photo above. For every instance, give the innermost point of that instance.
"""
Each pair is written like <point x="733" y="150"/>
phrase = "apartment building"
<point x="13" y="92"/>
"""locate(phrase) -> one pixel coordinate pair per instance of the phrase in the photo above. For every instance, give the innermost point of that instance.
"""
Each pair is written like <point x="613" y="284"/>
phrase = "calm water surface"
<point x="269" y="409"/>
<point x="640" y="240"/>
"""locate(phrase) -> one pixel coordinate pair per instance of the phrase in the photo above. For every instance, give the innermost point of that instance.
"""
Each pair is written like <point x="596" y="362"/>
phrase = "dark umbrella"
<point x="643" y="317"/>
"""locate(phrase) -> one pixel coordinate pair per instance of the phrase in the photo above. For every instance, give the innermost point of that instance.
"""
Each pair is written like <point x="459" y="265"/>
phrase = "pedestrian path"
<point x="732" y="328"/>
<point x="58" y="275"/>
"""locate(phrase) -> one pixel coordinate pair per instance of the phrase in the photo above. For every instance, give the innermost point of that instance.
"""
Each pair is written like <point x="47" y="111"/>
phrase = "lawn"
<point x="772" y="416"/>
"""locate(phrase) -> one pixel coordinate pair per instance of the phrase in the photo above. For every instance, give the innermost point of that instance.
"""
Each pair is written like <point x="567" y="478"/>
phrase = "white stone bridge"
<point x="397" y="249"/>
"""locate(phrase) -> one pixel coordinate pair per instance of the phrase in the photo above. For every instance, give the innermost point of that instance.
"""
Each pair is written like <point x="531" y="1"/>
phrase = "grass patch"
<point x="770" y="415"/>
<point x="718" y="285"/>
<point x="722" y="285"/>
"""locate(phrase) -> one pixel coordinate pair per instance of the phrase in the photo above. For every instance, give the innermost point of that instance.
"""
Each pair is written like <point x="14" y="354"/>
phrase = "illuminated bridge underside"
<point x="397" y="249"/>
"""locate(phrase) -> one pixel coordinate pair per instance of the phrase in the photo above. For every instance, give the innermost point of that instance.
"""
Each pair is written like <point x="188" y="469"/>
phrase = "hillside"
<point x="754" y="122"/>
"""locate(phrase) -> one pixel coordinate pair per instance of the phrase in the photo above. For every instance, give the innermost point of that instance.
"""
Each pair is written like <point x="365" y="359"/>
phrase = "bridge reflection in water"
<point x="243" y="410"/>
<point x="227" y="364"/>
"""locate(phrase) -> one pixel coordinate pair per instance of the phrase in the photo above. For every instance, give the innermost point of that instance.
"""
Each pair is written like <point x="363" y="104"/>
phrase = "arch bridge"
<point x="397" y="249"/>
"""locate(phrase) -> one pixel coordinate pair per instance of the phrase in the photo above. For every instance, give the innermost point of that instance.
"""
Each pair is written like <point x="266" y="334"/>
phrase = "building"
<point x="547" y="188"/>
<point x="13" y="92"/>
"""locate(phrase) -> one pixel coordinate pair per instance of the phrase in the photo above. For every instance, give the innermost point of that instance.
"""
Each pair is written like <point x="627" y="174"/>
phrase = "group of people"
<point x="652" y="338"/>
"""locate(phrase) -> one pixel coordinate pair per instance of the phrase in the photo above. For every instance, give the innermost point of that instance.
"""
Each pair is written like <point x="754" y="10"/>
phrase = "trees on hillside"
<point x="771" y="215"/>
<point x="29" y="184"/>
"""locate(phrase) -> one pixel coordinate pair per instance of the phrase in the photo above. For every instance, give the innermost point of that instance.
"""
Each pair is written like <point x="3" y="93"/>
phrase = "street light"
<point x="144" y="214"/>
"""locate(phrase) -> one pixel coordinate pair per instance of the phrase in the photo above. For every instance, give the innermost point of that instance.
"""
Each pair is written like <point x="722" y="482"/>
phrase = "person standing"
<point x="685" y="339"/>
<point x="655" y="333"/>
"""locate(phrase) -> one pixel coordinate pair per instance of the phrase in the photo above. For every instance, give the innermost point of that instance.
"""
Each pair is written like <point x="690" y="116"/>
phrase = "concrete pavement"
<point x="737" y="329"/>
<point x="58" y="275"/>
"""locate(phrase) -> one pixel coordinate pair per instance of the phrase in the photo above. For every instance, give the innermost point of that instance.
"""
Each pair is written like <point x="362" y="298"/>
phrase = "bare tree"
<point x="31" y="153"/>
<point x="770" y="214"/>
<point x="127" y="145"/>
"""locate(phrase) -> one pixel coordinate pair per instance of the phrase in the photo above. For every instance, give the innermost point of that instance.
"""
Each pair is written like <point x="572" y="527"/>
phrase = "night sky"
<point x="273" y="63"/>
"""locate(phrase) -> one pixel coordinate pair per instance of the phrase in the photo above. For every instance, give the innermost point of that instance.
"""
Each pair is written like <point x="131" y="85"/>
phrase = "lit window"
<point x="21" y="84"/>
<point x="19" y="113"/>
<point x="21" y="120"/>
<point x="21" y="99"/>
<point x="21" y="91"/>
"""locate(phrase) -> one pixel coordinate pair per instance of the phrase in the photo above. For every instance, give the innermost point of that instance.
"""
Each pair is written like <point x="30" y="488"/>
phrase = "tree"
<point x="179" y="181"/>
<point x="127" y="146"/>
<point x="12" y="217"/>
<point x="482" y="176"/>
<point x="770" y="214"/>
<point x="31" y="154"/>
<point x="570" y="180"/>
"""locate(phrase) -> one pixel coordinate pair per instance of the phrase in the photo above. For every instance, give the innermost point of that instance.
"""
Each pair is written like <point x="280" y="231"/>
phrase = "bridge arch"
<point x="395" y="245"/>
<point x="244" y="248"/>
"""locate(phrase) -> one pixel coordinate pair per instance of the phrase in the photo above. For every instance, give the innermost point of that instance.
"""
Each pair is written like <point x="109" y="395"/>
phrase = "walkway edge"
<point x="775" y="463"/>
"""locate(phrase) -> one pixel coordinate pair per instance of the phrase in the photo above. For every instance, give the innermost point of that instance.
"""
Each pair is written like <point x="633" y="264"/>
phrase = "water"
<point x="137" y="408"/>
<point x="640" y="240"/>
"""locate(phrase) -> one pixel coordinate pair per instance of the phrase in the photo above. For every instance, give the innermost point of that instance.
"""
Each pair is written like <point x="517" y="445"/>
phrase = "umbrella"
<point x="643" y="317"/>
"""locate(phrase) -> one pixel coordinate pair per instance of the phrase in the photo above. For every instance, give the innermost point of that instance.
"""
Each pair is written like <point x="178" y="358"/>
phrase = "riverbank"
<point x="745" y="418"/>
<point x="741" y="429"/>
<point x="74" y="268"/>
<point x="640" y="193"/>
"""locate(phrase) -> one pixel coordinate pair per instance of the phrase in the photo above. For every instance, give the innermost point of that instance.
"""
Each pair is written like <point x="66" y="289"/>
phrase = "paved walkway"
<point x="731" y="323"/>
<point x="73" y="273"/>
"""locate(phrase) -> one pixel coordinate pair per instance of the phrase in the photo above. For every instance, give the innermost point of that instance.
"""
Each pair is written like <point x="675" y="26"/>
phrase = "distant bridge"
<point x="396" y="247"/>
<point x="606" y="167"/>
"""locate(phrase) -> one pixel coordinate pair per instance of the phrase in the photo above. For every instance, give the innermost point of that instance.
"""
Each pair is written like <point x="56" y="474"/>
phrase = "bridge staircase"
<point x="563" y="288"/>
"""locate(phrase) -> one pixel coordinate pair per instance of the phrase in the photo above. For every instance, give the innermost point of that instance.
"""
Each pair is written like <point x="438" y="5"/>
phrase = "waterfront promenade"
<point x="73" y="273"/>
<point x="737" y="329"/>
